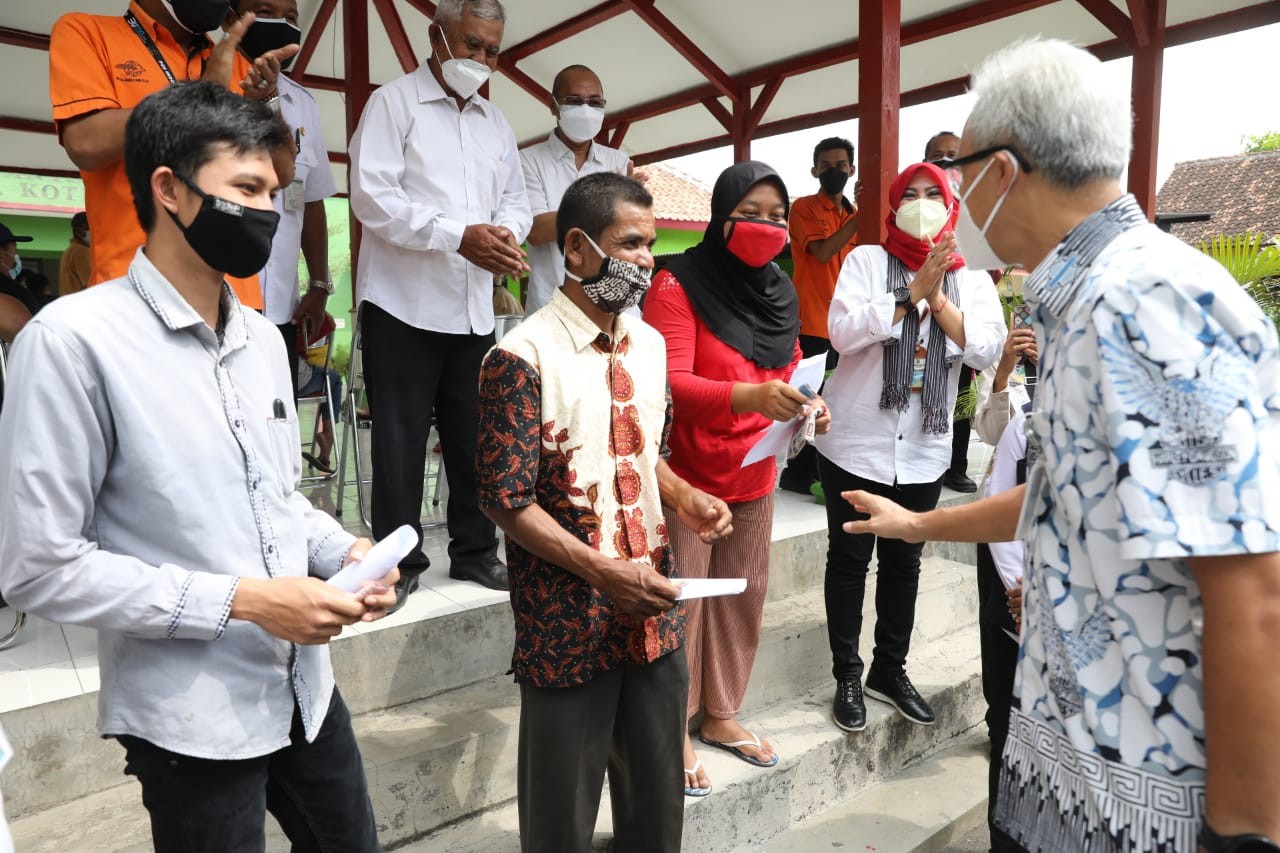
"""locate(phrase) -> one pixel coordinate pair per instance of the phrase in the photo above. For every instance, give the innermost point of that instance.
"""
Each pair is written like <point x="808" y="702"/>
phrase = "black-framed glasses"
<point x="575" y="101"/>
<point x="979" y="156"/>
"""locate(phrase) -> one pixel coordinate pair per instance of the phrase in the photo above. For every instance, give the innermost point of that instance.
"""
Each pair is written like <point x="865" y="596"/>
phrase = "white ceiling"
<point x="635" y="62"/>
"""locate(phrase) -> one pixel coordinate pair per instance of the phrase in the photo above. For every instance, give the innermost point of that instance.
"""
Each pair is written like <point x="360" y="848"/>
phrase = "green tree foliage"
<point x="1261" y="142"/>
<point x="1254" y="262"/>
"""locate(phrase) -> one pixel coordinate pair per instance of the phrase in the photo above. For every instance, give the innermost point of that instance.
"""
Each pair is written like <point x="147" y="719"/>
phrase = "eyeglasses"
<point x="575" y="101"/>
<point x="978" y="156"/>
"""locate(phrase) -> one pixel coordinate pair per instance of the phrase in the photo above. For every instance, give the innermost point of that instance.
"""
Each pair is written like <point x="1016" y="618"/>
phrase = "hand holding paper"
<point x="379" y="560"/>
<point x="710" y="587"/>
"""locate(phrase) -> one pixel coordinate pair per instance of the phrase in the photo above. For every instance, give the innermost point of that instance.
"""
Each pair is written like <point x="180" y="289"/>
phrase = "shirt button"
<point x="899" y="438"/>
<point x="271" y="549"/>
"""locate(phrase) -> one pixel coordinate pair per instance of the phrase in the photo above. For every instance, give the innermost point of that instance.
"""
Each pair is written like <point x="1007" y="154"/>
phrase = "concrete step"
<point x="819" y="765"/>
<point x="929" y="807"/>
<point x="440" y="759"/>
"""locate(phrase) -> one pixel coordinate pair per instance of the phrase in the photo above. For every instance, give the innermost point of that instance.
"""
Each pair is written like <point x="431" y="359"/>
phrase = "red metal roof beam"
<point x="1144" y="17"/>
<point x="26" y="125"/>
<point x="315" y="32"/>
<point x="763" y="101"/>
<point x="396" y="34"/>
<point x="723" y="83"/>
<point x="718" y="112"/>
<point x="567" y="29"/>
<point x="1114" y="20"/>
<point x="23" y="38"/>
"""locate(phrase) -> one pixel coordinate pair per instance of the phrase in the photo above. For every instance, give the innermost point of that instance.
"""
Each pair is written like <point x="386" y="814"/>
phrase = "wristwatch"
<point x="326" y="286"/>
<point x="1215" y="843"/>
<point x="902" y="294"/>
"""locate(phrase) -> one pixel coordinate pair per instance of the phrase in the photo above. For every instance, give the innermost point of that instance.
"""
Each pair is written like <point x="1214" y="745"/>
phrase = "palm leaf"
<point x="1253" y="260"/>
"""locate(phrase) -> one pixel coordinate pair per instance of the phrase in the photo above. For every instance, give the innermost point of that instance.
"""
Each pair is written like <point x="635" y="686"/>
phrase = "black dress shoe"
<point x="404" y="588"/>
<point x="848" y="709"/>
<point x="490" y="572"/>
<point x="959" y="481"/>
<point x="899" y="692"/>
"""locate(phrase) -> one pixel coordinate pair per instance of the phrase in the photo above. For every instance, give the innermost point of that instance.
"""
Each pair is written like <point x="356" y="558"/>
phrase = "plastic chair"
<point x="320" y="337"/>
<point x="352" y="422"/>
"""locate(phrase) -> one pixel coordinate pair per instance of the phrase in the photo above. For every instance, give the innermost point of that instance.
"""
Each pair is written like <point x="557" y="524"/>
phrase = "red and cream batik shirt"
<point x="576" y="422"/>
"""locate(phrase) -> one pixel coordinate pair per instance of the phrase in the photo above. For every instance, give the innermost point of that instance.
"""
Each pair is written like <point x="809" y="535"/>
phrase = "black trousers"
<point x="960" y="428"/>
<point x="290" y="334"/>
<point x="803" y="470"/>
<point x="409" y="374"/>
<point x="630" y="723"/>
<point x="999" y="663"/>
<point x="317" y="791"/>
<point x="897" y="574"/>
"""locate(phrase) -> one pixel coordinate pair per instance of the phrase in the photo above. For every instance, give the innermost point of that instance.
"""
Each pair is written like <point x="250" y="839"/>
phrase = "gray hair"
<point x="449" y="12"/>
<point x="1052" y="102"/>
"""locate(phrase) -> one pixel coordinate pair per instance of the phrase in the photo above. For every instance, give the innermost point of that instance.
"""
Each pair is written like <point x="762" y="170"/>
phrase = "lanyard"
<point x="150" y="45"/>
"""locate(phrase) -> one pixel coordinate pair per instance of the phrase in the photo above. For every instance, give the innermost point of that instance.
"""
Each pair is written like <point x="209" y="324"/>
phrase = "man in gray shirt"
<point x="167" y="514"/>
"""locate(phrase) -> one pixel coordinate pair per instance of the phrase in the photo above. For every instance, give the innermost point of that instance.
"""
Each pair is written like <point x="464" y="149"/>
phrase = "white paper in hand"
<point x="710" y="587"/>
<point x="379" y="560"/>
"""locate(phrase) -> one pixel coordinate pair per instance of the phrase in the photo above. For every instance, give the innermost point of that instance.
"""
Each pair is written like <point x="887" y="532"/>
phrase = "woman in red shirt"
<point x="731" y="320"/>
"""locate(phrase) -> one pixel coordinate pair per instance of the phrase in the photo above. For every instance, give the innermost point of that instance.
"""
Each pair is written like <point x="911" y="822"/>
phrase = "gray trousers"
<point x="629" y="722"/>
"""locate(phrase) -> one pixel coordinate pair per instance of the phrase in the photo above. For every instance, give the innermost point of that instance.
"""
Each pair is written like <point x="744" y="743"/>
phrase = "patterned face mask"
<point x="619" y="284"/>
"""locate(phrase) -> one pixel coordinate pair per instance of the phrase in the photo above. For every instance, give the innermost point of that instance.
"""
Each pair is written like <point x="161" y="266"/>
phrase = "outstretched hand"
<point x="886" y="519"/>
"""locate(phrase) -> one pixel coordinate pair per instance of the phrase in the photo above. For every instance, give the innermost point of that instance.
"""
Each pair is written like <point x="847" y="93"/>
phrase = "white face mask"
<point x="581" y="122"/>
<point x="922" y="217"/>
<point x="17" y="266"/>
<point x="463" y="76"/>
<point x="971" y="240"/>
<point x="86" y="238"/>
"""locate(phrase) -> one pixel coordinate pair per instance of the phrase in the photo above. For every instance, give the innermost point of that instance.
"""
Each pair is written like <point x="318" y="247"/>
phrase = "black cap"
<point x="7" y="236"/>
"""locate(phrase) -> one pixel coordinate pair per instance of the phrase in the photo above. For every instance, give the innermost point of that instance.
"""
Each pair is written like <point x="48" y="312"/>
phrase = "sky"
<point x="1215" y="92"/>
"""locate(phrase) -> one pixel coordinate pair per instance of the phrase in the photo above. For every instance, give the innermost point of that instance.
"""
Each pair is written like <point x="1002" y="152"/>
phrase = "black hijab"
<point x="755" y="310"/>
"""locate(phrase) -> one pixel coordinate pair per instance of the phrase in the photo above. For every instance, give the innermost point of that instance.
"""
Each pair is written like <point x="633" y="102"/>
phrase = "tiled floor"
<point x="51" y="661"/>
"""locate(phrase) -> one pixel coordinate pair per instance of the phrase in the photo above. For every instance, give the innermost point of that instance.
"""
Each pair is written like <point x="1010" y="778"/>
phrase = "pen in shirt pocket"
<point x="277" y="409"/>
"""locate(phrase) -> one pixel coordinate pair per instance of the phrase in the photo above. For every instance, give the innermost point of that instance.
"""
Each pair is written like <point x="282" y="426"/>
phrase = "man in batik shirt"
<point x="1146" y="692"/>
<point x="574" y="413"/>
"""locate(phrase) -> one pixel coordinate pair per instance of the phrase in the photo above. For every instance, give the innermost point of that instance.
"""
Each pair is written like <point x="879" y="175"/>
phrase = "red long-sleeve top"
<point x="708" y="441"/>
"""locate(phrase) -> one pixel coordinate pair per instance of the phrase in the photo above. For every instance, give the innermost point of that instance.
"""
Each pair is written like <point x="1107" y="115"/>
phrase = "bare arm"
<point x="702" y="513"/>
<point x="315" y="250"/>
<point x="544" y="229"/>
<point x="96" y="140"/>
<point x="1241" y="597"/>
<point x="993" y="519"/>
<point x="826" y="249"/>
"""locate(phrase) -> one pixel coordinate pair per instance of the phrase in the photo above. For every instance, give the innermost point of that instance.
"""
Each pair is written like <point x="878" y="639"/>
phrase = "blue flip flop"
<point x="733" y="746"/>
<point x="693" y="771"/>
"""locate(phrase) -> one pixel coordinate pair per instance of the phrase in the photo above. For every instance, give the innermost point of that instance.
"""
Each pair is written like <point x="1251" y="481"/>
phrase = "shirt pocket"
<point x="284" y="452"/>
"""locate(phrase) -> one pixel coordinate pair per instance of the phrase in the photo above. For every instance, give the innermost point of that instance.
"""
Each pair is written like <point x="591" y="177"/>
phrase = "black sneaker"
<point x="848" y="710"/>
<point x="899" y="692"/>
<point x="959" y="481"/>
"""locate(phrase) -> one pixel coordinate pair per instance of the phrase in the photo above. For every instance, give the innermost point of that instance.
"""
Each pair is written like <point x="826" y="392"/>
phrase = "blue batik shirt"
<point x="1154" y="439"/>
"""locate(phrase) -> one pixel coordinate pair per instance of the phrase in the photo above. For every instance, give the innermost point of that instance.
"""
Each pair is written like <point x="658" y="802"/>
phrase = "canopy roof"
<point x="680" y="75"/>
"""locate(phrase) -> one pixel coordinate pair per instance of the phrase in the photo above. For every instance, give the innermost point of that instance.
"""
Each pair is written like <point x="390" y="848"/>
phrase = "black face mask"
<point x="229" y="237"/>
<point x="198" y="16"/>
<point x="833" y="181"/>
<point x="269" y="34"/>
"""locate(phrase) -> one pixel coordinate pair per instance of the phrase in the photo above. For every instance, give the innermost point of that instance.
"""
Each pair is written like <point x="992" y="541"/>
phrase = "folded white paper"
<point x="710" y="587"/>
<point x="380" y="559"/>
<point x="776" y="440"/>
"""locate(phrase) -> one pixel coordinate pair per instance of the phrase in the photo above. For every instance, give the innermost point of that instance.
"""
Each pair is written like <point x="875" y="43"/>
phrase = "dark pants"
<point x="629" y="722"/>
<point x="803" y="470"/>
<point x="290" y="334"/>
<point x="897" y="574"/>
<point x="999" y="663"/>
<point x="317" y="791"/>
<point x="960" y="428"/>
<point x="409" y="373"/>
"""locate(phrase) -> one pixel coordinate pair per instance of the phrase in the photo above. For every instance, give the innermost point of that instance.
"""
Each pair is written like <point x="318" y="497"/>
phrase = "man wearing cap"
<point x="11" y="265"/>
<point x="76" y="267"/>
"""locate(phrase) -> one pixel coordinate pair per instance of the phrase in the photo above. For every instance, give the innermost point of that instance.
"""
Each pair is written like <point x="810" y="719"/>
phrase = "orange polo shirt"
<point x="97" y="62"/>
<point x="816" y="217"/>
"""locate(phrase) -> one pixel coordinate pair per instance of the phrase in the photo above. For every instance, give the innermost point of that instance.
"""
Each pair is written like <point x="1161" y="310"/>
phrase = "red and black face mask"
<point x="755" y="242"/>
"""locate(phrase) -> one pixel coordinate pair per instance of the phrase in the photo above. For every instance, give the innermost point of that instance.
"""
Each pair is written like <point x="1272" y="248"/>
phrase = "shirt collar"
<point x="159" y="32"/>
<point x="1053" y="284"/>
<point x="429" y="89"/>
<point x="560" y="151"/>
<point x="582" y="331"/>
<point x="287" y="88"/>
<point x="176" y="313"/>
<point x="845" y="208"/>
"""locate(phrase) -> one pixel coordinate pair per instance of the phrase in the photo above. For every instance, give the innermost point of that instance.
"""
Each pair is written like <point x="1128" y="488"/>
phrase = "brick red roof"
<point x="677" y="197"/>
<point x="1242" y="192"/>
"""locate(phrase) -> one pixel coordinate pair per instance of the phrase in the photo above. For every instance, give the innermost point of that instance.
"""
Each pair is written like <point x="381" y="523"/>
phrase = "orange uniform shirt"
<point x="97" y="62"/>
<point x="816" y="217"/>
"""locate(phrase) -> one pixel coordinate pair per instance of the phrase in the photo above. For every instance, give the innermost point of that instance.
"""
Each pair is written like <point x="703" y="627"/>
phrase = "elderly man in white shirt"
<point x="437" y="185"/>
<point x="577" y="102"/>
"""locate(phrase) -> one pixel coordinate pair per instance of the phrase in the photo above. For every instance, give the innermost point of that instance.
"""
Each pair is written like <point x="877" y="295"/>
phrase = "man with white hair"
<point x="436" y="182"/>
<point x="1143" y="716"/>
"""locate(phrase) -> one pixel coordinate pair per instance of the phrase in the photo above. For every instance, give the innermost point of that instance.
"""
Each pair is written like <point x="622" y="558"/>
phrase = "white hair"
<point x="1052" y="102"/>
<point x="450" y="11"/>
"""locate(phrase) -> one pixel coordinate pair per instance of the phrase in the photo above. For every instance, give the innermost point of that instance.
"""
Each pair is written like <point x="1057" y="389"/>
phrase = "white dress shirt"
<point x="1009" y="557"/>
<point x="995" y="408"/>
<point x="886" y="445"/>
<point x="549" y="168"/>
<point x="422" y="171"/>
<point x="312" y="181"/>
<point x="174" y="474"/>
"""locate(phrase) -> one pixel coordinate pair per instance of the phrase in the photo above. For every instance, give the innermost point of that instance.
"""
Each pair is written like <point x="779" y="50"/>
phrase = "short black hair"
<point x="932" y="139"/>
<point x="80" y="221"/>
<point x="181" y="127"/>
<point x="555" y="84"/>
<point x="831" y="143"/>
<point x="591" y="203"/>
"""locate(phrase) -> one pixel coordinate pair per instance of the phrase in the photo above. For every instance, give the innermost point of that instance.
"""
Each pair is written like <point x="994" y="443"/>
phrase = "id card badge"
<point x="294" y="198"/>
<point x="917" y="370"/>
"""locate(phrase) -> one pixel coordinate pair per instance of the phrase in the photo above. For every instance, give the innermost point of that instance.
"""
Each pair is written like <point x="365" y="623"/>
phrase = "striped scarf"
<point x="900" y="354"/>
